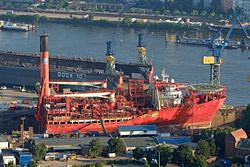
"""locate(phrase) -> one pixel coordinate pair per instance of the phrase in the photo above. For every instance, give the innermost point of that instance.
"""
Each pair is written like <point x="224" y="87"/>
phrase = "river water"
<point x="182" y="62"/>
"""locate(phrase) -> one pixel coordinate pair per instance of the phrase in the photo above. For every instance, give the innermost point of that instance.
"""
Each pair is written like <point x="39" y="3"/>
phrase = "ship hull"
<point x="14" y="29"/>
<point x="236" y="30"/>
<point x="197" y="117"/>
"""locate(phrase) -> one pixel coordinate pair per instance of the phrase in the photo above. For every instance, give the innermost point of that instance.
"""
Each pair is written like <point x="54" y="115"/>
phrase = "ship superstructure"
<point x="161" y="102"/>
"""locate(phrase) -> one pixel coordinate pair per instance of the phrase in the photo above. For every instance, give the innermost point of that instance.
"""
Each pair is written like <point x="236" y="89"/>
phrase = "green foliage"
<point x="116" y="145"/>
<point x="183" y="155"/>
<point x="200" y="161"/>
<point x="33" y="164"/>
<point x="184" y="13"/>
<point x="39" y="151"/>
<point x="165" y="154"/>
<point x="146" y="164"/>
<point x="127" y="21"/>
<point x="212" y="14"/>
<point x="194" y="13"/>
<point x="137" y="153"/>
<point x="177" y="12"/>
<point x="203" y="135"/>
<point x="246" y="118"/>
<point x="219" y="136"/>
<point x="120" y="162"/>
<point x="212" y="146"/>
<point x="95" y="148"/>
<point x="21" y="18"/>
<point x="204" y="13"/>
<point x="99" y="164"/>
<point x="204" y="148"/>
<point x="91" y="165"/>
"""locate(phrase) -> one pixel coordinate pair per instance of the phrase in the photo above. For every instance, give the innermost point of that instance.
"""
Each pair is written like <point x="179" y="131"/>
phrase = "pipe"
<point x="120" y="82"/>
<point x="44" y="63"/>
<point x="151" y="72"/>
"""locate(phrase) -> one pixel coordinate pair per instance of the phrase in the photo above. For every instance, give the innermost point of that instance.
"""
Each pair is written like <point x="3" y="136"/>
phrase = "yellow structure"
<point x="210" y="60"/>
<point x="141" y="50"/>
<point x="110" y="58"/>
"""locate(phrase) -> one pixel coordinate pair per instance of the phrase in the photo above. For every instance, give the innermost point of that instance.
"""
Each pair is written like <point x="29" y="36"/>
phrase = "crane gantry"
<point x="215" y="60"/>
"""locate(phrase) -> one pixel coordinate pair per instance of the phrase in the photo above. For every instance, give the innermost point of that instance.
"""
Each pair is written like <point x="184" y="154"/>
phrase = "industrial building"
<point x="17" y="157"/>
<point x="6" y="157"/>
<point x="69" y="144"/>
<point x="147" y="144"/>
<point x="4" y="144"/>
<point x="137" y="130"/>
<point x="237" y="144"/>
<point x="244" y="5"/>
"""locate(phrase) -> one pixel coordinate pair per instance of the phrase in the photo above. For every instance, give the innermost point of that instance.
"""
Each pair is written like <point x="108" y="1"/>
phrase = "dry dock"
<point x="10" y="95"/>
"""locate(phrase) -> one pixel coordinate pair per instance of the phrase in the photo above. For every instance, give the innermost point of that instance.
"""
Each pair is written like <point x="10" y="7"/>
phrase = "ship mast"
<point x="141" y="49"/>
<point x="110" y="59"/>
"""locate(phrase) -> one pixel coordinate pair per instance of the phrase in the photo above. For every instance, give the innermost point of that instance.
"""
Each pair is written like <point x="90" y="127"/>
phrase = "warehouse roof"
<point x="139" y="141"/>
<point x="3" y="138"/>
<point x="7" y="152"/>
<point x="244" y="144"/>
<point x="173" y="140"/>
<point x="137" y="128"/>
<point x="57" y="142"/>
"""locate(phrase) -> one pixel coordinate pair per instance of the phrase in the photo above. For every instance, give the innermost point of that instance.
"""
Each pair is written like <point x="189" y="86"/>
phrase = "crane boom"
<point x="215" y="59"/>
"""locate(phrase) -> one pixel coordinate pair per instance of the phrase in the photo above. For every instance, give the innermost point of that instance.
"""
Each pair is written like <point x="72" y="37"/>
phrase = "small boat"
<point x="9" y="26"/>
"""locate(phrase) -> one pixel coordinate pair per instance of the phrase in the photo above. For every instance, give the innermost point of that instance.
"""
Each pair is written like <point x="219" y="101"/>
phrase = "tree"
<point x="204" y="13"/>
<point x="127" y="21"/>
<point x="91" y="17"/>
<point x="219" y="136"/>
<point x="39" y="150"/>
<point x="137" y="153"/>
<point x="166" y="12"/>
<point x="183" y="155"/>
<point x="33" y="164"/>
<point x="116" y="145"/>
<point x="212" y="146"/>
<point x="203" y="148"/>
<point x="184" y="13"/>
<point x="203" y="135"/>
<point x="146" y="164"/>
<point x="95" y="148"/>
<point x="212" y="14"/>
<point x="176" y="12"/>
<point x="165" y="154"/>
<point x="194" y="13"/>
<point x="200" y="161"/>
<point x="99" y="164"/>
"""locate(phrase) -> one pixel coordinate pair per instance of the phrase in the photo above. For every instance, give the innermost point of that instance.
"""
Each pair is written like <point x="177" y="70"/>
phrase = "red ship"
<point x="159" y="102"/>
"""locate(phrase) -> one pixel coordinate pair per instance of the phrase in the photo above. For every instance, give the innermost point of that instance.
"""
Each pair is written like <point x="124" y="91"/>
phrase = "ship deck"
<point x="206" y="87"/>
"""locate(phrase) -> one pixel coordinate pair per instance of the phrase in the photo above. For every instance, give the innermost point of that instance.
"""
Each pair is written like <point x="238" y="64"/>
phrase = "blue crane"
<point x="215" y="59"/>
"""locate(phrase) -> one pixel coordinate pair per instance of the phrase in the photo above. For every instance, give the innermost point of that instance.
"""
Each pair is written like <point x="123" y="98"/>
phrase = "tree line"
<point x="126" y="22"/>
